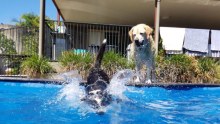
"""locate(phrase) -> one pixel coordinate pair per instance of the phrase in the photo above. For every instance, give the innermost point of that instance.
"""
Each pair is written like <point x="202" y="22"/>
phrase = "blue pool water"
<point x="48" y="103"/>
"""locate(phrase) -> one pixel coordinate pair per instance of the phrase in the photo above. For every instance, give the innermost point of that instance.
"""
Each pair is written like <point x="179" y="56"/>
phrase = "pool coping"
<point x="177" y="86"/>
<point x="60" y="82"/>
<point x="31" y="80"/>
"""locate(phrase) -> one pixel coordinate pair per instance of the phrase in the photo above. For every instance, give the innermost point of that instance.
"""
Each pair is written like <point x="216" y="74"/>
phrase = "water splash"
<point x="118" y="83"/>
<point x="72" y="93"/>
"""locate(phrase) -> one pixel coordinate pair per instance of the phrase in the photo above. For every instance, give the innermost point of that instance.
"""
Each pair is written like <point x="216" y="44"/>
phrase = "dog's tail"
<point x="100" y="54"/>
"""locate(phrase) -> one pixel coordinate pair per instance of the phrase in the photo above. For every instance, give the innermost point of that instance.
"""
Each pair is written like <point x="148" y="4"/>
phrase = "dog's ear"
<point x="148" y="30"/>
<point x="131" y="34"/>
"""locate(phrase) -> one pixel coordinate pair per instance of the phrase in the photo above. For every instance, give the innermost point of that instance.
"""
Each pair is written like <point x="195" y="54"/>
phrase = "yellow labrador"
<point x="142" y="51"/>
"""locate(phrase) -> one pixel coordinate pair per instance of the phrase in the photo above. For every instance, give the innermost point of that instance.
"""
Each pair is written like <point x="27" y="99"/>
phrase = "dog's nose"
<point x="139" y="43"/>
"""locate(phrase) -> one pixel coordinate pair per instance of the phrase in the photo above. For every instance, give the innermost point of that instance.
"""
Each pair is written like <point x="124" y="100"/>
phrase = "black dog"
<point x="97" y="83"/>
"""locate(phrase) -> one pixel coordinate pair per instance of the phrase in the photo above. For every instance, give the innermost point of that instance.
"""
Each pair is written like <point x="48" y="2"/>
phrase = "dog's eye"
<point x="141" y="33"/>
<point x="134" y="35"/>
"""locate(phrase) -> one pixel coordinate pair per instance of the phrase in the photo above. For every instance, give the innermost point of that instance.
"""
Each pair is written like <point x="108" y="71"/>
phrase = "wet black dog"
<point x="97" y="83"/>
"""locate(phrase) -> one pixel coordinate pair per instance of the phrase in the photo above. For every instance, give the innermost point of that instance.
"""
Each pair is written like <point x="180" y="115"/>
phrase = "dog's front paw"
<point x="148" y="81"/>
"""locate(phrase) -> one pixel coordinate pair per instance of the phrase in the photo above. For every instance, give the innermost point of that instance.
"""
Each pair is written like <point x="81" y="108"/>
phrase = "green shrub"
<point x="80" y="62"/>
<point x="113" y="62"/>
<point x="84" y="62"/>
<point x="209" y="69"/>
<point x="217" y="76"/>
<point x="7" y="46"/>
<point x="186" y="69"/>
<point x="35" y="66"/>
<point x="177" y="68"/>
<point x="72" y="61"/>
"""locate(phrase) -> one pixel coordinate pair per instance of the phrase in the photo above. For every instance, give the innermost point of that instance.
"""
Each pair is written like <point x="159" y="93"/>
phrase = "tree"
<point x="28" y="20"/>
<point x="31" y="20"/>
<point x="30" y="26"/>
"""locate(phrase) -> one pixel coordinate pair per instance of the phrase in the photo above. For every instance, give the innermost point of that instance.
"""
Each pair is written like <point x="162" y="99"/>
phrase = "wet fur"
<point x="142" y="51"/>
<point x="97" y="83"/>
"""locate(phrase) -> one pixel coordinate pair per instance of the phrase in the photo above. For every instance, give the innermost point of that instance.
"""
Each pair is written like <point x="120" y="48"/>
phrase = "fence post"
<point x="41" y="28"/>
<point x="157" y="24"/>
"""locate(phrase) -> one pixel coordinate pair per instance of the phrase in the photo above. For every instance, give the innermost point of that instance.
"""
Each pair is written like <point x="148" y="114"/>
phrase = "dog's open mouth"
<point x="138" y="43"/>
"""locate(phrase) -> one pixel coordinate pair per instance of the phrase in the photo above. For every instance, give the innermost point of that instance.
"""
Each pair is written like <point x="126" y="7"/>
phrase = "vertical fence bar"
<point x="80" y="37"/>
<point x="83" y="35"/>
<point x="73" y="26"/>
<point x="77" y="36"/>
<point x="121" y="40"/>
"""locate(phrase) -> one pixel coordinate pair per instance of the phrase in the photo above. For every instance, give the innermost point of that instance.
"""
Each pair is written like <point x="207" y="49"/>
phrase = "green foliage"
<point x="72" y="61"/>
<point x="31" y="20"/>
<point x="176" y="68"/>
<point x="30" y="43"/>
<point x="209" y="69"/>
<point x="30" y="37"/>
<point x="113" y="62"/>
<point x="186" y="69"/>
<point x="7" y="45"/>
<point x="80" y="62"/>
<point x="50" y="23"/>
<point x="14" y="63"/>
<point x="35" y="66"/>
<point x="84" y="62"/>
<point x="28" y="20"/>
<point x="206" y="64"/>
<point x="217" y="76"/>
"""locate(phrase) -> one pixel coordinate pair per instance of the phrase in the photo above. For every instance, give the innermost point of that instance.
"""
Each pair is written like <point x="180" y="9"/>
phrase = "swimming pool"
<point x="47" y="103"/>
